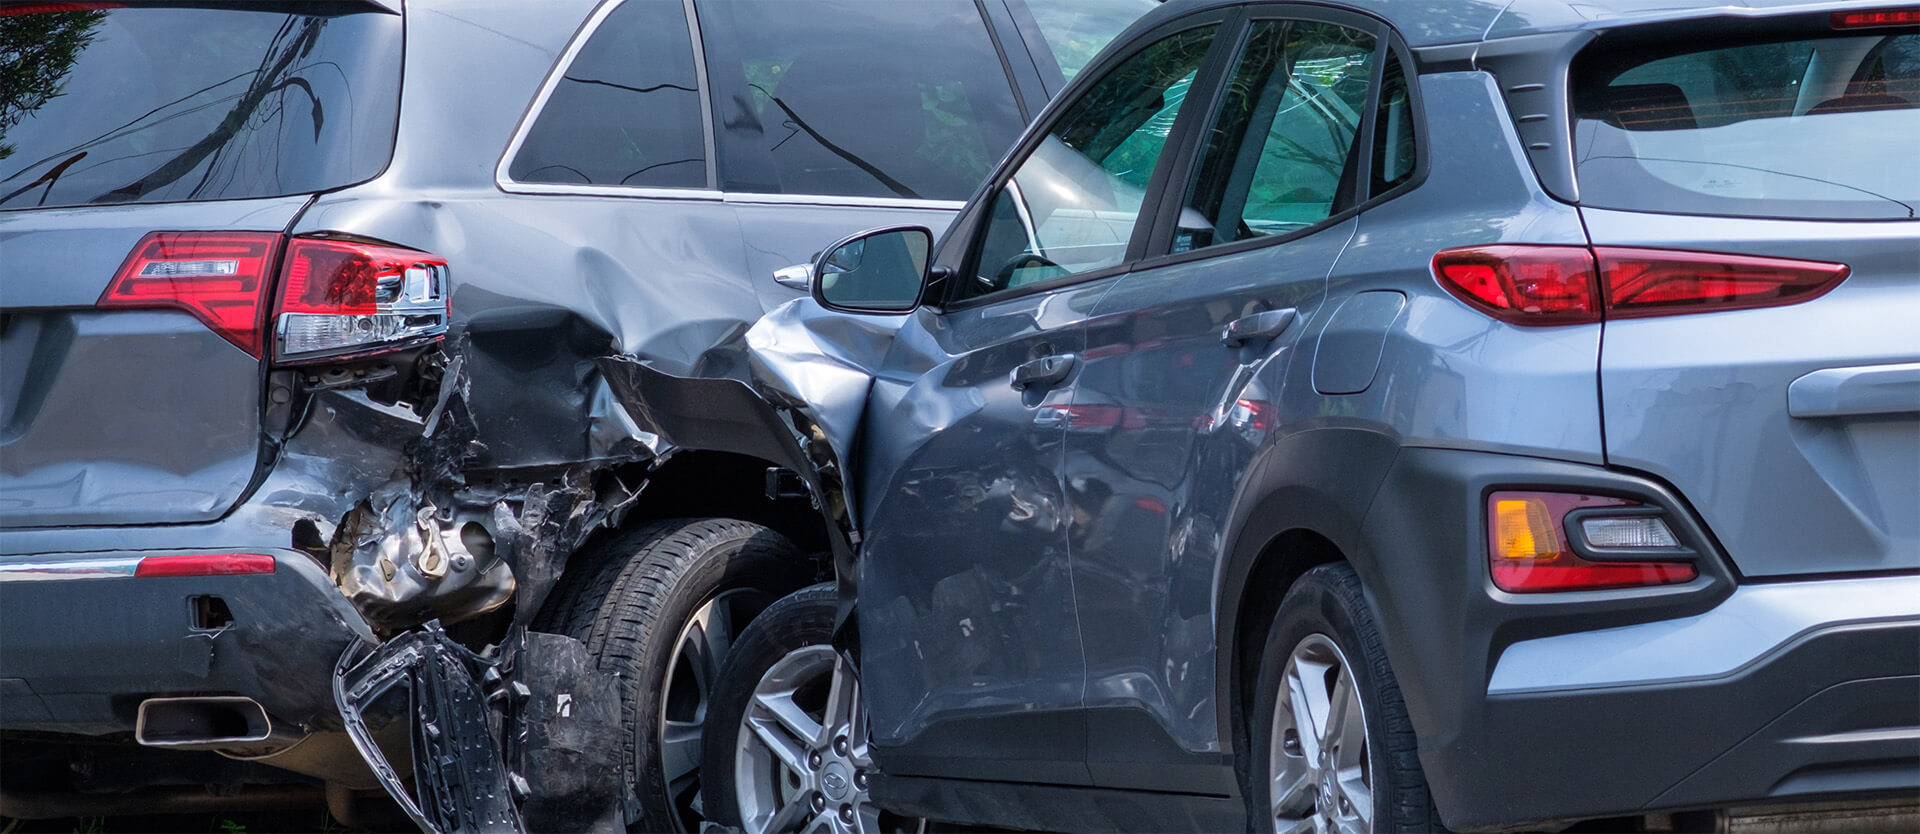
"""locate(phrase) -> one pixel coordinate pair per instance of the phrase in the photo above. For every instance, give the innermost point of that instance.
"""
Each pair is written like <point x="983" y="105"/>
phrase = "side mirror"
<point x="877" y="271"/>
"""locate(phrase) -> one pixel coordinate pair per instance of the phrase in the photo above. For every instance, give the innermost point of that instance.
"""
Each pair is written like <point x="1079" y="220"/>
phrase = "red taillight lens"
<point x="1658" y="282"/>
<point x="1528" y="549"/>
<point x="219" y="277"/>
<point x="47" y="8"/>
<point x="1523" y="284"/>
<point x="1541" y="285"/>
<point x="343" y="297"/>
<point x="226" y="564"/>
<point x="1876" y="17"/>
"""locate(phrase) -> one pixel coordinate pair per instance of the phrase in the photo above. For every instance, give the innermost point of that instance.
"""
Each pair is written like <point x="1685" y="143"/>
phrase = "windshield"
<point x="1813" y="127"/>
<point x="173" y="104"/>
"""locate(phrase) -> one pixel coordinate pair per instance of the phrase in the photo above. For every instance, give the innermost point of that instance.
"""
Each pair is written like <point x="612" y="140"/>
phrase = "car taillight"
<point x="49" y="8"/>
<point x="1870" y="18"/>
<point x="1533" y="539"/>
<point x="221" y="564"/>
<point x="337" y="298"/>
<point x="343" y="298"/>
<point x="1543" y="285"/>
<point x="219" y="277"/>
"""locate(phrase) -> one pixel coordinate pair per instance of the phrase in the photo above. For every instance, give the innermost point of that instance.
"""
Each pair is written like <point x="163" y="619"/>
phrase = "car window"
<point x="1064" y="35"/>
<point x="626" y="111"/>
<point x="1280" y="152"/>
<point x="1816" y="127"/>
<point x="856" y="98"/>
<point x="112" y="105"/>
<point x="1394" y="152"/>
<point x="1072" y="204"/>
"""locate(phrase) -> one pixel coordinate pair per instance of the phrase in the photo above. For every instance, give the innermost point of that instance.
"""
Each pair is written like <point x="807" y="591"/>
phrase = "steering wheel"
<point x="1025" y="260"/>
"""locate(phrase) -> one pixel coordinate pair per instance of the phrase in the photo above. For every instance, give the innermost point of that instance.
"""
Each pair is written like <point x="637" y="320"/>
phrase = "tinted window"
<point x="857" y="98"/>
<point x="1072" y="204"/>
<point x="170" y="104"/>
<point x="1282" y="152"/>
<point x="1820" y="127"/>
<point x="1066" y="34"/>
<point x="1394" y="153"/>
<point x="627" y="111"/>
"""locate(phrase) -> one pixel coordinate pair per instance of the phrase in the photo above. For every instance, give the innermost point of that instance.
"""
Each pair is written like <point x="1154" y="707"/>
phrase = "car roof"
<point x="1436" y="22"/>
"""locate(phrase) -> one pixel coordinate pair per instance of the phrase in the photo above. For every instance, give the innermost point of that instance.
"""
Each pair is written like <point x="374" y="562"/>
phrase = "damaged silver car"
<point x="324" y="470"/>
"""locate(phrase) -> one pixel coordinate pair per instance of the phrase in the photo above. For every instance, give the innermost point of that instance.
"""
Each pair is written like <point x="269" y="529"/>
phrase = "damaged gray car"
<point x="325" y="469"/>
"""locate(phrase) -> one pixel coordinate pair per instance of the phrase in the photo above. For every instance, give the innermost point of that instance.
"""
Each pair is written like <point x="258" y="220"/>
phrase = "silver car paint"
<point x="1830" y="492"/>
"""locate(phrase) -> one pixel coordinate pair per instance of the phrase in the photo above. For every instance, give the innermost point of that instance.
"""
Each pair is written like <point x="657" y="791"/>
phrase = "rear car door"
<point x="1775" y="380"/>
<point x="1185" y="360"/>
<point x="970" y="649"/>
<point x="131" y="365"/>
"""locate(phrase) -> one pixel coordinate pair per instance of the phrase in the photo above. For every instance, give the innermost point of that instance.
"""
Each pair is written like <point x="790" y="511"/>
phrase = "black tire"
<point x="799" y="625"/>
<point x="1327" y="601"/>
<point x="631" y="606"/>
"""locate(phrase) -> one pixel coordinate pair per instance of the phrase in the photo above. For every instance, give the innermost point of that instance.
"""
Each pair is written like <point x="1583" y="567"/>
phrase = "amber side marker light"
<point x="1529" y="549"/>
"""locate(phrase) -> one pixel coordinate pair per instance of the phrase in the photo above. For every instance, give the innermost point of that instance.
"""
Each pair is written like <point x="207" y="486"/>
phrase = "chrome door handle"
<point x="1043" y="373"/>
<point x="1265" y="327"/>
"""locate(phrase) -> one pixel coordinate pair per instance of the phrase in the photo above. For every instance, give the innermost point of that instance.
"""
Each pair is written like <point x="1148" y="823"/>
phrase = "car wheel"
<point x="1333" y="749"/>
<point x="660" y="611"/>
<point x="788" y="735"/>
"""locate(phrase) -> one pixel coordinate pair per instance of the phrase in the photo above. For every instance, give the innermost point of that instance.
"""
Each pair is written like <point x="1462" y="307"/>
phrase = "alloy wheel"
<point x="687" y="690"/>
<point x="801" y="762"/>
<point x="1320" y="760"/>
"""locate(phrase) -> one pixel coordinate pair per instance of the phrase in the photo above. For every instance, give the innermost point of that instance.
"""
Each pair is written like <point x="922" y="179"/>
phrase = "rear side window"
<point x="1282" y="152"/>
<point x="626" y="111"/>
<point x="174" y="104"/>
<point x="856" y="98"/>
<point x="1818" y="127"/>
<point x="1064" y="35"/>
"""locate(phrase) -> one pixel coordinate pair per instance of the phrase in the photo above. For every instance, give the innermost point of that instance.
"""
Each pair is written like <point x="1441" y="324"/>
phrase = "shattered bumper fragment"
<point x="527" y="741"/>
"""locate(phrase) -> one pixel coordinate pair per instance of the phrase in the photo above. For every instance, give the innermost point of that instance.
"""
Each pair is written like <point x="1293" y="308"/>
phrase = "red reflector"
<point x="1876" y="17"/>
<point x="226" y="564"/>
<point x="48" y="8"/>
<point x="1658" y="282"/>
<point x="1523" y="284"/>
<point x="1528" y="553"/>
<point x="219" y="277"/>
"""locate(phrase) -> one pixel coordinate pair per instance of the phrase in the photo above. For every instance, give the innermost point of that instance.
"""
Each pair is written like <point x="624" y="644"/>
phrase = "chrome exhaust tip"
<point x="201" y="722"/>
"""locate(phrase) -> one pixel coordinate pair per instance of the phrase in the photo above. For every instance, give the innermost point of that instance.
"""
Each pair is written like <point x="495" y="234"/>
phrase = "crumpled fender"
<point x="791" y="390"/>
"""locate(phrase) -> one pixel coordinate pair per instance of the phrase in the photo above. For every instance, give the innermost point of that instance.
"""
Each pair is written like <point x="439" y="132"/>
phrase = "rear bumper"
<point x="86" y="641"/>
<point x="1708" y="711"/>
<point x="1544" y="708"/>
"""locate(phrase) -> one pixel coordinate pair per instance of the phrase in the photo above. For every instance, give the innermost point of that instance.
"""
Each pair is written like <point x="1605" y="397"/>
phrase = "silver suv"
<point x="306" y="305"/>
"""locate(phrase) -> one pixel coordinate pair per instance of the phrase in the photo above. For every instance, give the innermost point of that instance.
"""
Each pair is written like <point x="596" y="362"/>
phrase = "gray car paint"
<point x="1449" y="380"/>
<point x="72" y="458"/>
<point x="559" y="292"/>
<point x="1828" y="493"/>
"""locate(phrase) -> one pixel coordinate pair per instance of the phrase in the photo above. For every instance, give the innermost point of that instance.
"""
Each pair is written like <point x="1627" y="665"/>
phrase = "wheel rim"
<point x="686" y="691"/>
<point x="1320" y="763"/>
<point x="802" y="761"/>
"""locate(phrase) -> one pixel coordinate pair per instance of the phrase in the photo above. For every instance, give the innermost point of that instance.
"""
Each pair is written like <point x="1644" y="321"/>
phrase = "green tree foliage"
<point x="36" y="53"/>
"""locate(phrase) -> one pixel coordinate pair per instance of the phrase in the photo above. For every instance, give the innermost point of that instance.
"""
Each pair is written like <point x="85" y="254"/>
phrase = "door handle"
<point x="1043" y="373"/>
<point x="1265" y="327"/>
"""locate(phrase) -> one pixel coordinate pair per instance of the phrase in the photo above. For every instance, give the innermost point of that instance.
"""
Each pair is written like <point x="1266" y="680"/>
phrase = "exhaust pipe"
<point x="201" y="722"/>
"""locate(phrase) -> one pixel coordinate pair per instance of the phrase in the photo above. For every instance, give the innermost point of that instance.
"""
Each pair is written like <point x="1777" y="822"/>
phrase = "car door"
<point x="1183" y="363"/>
<point x="970" y="649"/>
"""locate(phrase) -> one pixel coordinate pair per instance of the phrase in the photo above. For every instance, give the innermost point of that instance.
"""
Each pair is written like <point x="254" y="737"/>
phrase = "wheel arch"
<point x="1300" y="506"/>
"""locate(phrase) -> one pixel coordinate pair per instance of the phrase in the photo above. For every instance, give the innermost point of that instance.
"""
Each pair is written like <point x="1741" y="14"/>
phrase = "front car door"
<point x="970" y="647"/>
<point x="1185" y="361"/>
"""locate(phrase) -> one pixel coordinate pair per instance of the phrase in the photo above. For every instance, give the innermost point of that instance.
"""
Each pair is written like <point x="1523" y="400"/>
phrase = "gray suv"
<point x="306" y="307"/>
<point x="1374" y="415"/>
